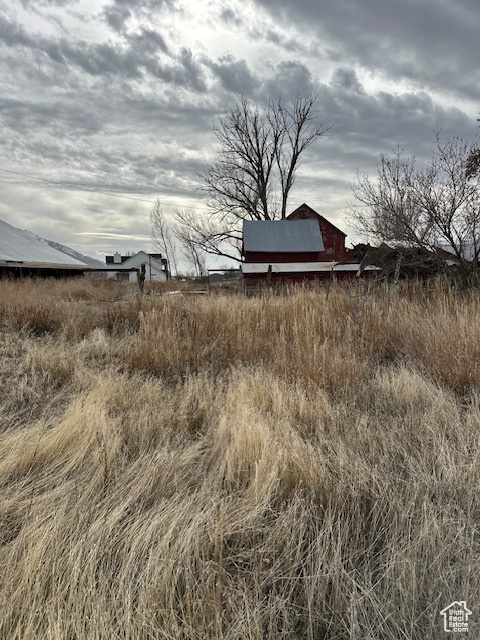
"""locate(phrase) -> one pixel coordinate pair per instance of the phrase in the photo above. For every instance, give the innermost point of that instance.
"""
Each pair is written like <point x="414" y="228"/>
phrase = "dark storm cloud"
<point x="235" y="75"/>
<point x="432" y="43"/>
<point x="367" y="124"/>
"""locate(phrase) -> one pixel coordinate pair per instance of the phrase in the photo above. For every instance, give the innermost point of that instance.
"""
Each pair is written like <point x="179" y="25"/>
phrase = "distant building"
<point x="156" y="267"/>
<point x="303" y="247"/>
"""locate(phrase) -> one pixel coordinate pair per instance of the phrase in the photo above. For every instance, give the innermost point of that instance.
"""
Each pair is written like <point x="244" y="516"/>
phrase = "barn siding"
<point x="333" y="238"/>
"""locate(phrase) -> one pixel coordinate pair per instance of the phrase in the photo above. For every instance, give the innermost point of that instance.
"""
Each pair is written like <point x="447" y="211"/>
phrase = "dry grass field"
<point x="224" y="467"/>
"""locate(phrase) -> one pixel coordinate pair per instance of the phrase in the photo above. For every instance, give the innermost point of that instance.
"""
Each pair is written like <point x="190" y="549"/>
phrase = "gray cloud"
<point x="131" y="60"/>
<point x="129" y="109"/>
<point x="147" y="41"/>
<point x="429" y="43"/>
<point x="288" y="79"/>
<point x="235" y="75"/>
<point x="118" y="13"/>
<point x="28" y="4"/>
<point x="347" y="79"/>
<point x="12" y="34"/>
<point x="230" y="17"/>
<point x="60" y="118"/>
<point x="292" y="45"/>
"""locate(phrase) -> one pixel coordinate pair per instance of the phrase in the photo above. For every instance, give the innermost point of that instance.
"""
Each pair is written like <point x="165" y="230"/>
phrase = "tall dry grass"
<point x="296" y="466"/>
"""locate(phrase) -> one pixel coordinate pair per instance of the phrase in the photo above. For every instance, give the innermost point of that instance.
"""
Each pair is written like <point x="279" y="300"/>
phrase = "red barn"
<point x="303" y="247"/>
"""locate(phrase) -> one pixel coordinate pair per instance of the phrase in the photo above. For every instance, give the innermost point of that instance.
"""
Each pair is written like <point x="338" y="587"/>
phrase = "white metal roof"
<point x="302" y="267"/>
<point x="282" y="236"/>
<point x="23" y="246"/>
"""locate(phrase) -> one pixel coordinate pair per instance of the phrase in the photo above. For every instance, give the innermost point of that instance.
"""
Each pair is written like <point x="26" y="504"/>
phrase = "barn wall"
<point x="260" y="280"/>
<point x="334" y="242"/>
<point x="333" y="238"/>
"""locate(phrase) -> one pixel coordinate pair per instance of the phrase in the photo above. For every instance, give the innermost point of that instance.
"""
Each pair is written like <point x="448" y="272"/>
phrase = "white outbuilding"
<point x="156" y="267"/>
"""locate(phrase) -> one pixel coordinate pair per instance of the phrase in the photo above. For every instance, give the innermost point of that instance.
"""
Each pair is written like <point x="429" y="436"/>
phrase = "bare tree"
<point x="163" y="236"/>
<point x="429" y="206"/>
<point x="258" y="155"/>
<point x="209" y="234"/>
<point x="194" y="256"/>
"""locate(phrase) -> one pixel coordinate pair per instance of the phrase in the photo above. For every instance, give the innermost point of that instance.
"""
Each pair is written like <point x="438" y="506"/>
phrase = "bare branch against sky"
<point x="430" y="206"/>
<point x="109" y="99"/>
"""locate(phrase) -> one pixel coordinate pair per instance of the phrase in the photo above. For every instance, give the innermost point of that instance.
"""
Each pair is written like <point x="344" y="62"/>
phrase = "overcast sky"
<point x="121" y="96"/>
